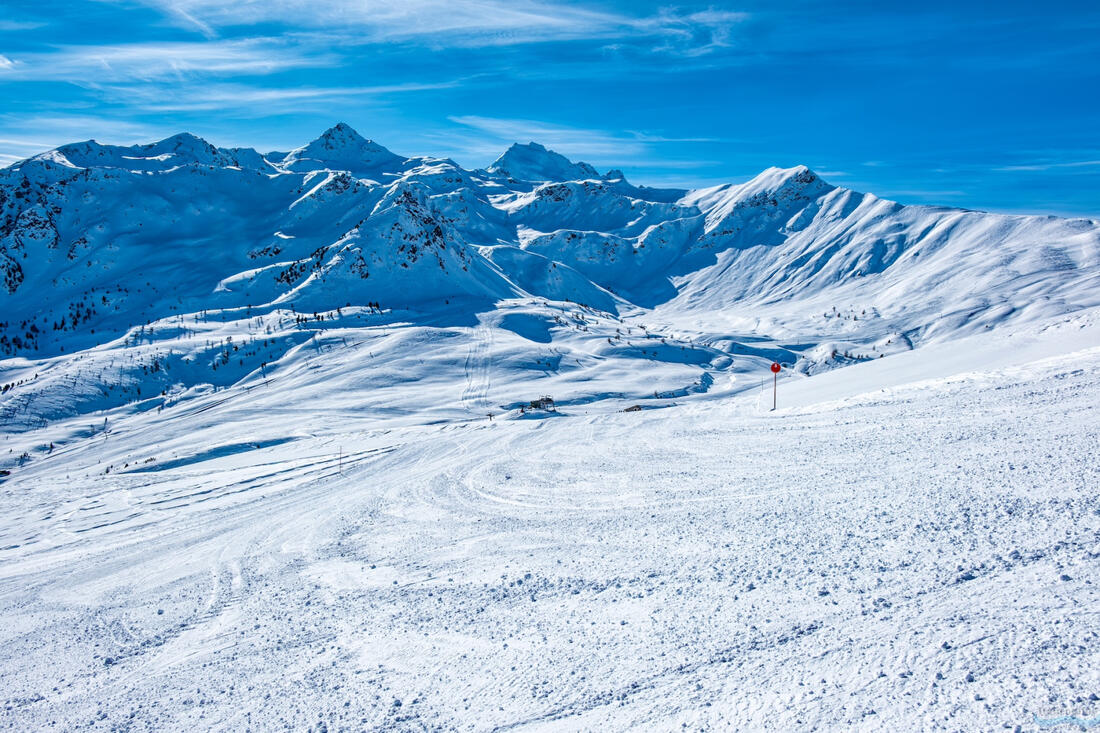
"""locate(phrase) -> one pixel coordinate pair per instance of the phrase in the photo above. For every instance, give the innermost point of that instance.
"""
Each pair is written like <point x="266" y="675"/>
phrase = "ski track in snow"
<point x="921" y="558"/>
<point x="478" y="361"/>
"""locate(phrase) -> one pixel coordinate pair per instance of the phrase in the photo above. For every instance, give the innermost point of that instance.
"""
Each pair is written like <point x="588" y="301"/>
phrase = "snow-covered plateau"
<point x="336" y="439"/>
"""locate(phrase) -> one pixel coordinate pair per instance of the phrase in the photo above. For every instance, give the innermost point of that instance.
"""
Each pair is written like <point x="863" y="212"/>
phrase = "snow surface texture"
<point x="250" y="478"/>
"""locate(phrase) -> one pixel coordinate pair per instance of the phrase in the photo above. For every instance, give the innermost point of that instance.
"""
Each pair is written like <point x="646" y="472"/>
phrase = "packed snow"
<point x="339" y="439"/>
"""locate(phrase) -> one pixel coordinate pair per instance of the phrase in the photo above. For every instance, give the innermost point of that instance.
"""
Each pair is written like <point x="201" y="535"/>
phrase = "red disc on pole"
<point x="776" y="367"/>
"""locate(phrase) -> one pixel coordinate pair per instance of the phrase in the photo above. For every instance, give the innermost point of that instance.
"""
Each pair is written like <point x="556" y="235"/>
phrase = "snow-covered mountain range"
<point x="108" y="250"/>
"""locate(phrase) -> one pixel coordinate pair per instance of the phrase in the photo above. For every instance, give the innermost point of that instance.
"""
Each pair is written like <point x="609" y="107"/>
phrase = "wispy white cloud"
<point x="12" y="26"/>
<point x="651" y="138"/>
<point x="179" y="13"/>
<point x="924" y="193"/>
<point x="470" y="23"/>
<point x="22" y="143"/>
<point x="572" y="141"/>
<point x="261" y="101"/>
<point x="1050" y="166"/>
<point x="694" y="34"/>
<point x="28" y="135"/>
<point x="152" y="61"/>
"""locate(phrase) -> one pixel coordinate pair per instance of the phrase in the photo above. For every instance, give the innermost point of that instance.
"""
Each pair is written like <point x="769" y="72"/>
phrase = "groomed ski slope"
<point x="909" y="543"/>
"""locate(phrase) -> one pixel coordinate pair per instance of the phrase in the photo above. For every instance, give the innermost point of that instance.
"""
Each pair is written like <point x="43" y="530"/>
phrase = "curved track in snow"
<point x="478" y="362"/>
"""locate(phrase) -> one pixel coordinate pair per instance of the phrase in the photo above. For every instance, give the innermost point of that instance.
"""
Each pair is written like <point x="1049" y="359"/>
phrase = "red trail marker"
<point x="775" y="381"/>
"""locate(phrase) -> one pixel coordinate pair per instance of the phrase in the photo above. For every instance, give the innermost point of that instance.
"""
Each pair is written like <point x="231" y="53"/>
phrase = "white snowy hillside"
<point x="336" y="438"/>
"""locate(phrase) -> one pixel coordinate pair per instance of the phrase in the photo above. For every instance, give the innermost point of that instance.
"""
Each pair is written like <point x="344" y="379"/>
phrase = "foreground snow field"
<point x="901" y="548"/>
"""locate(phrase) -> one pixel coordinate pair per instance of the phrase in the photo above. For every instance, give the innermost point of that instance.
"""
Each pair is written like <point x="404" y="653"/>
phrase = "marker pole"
<point x="775" y="383"/>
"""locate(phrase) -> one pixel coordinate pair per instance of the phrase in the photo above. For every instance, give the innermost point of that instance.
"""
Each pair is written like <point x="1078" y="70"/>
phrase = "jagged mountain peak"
<point x="772" y="180"/>
<point x="772" y="189"/>
<point x="535" y="162"/>
<point x="340" y="136"/>
<point x="342" y="148"/>
<point x="341" y="128"/>
<point x="182" y="140"/>
<point x="775" y="178"/>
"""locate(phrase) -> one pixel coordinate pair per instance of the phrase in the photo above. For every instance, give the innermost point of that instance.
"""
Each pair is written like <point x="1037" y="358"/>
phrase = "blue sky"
<point x="981" y="105"/>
